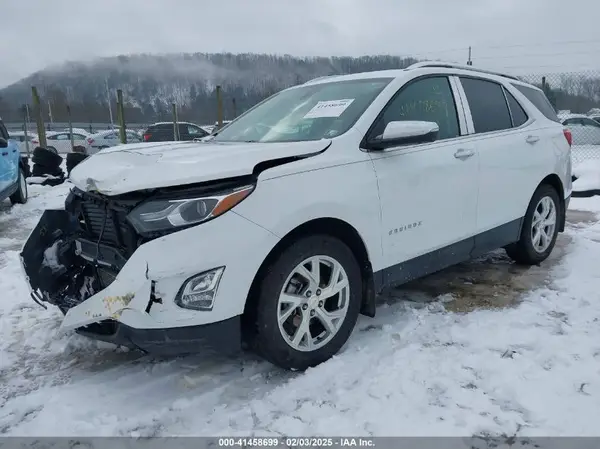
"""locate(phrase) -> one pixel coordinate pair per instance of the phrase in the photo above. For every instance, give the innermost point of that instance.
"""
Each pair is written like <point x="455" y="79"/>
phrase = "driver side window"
<point x="427" y="99"/>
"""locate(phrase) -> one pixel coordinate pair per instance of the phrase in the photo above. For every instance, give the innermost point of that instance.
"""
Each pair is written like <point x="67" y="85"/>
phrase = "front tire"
<point x="540" y="228"/>
<point x="21" y="195"/>
<point x="308" y="302"/>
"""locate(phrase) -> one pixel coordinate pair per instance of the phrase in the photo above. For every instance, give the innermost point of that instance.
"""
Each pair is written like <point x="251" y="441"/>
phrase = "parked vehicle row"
<point x="285" y="225"/>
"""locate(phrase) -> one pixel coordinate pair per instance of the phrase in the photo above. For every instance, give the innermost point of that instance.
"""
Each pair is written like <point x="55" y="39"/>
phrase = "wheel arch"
<point x="334" y="227"/>
<point x="554" y="181"/>
<point x="24" y="165"/>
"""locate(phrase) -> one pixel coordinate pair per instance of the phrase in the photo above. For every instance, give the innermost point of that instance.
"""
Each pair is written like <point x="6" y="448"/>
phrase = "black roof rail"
<point x="452" y="65"/>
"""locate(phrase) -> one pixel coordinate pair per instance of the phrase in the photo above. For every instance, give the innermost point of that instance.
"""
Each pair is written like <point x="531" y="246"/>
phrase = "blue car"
<point x="12" y="170"/>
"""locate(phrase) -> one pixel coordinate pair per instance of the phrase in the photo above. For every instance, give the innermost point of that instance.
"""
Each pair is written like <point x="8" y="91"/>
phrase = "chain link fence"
<point x="576" y="98"/>
<point x="574" y="95"/>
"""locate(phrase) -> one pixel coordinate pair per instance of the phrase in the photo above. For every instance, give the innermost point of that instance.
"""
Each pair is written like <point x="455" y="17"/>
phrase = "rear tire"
<point x="46" y="157"/>
<point x="300" y="322"/>
<point x="73" y="160"/>
<point x="540" y="228"/>
<point x="40" y="170"/>
<point x="21" y="195"/>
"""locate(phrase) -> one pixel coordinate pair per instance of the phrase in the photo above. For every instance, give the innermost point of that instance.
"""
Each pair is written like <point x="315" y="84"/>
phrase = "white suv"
<point x="285" y="225"/>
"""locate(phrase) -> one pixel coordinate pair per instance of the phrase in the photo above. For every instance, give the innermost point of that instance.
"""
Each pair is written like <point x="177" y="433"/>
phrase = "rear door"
<point x="78" y="139"/>
<point x="162" y="132"/>
<point x="512" y="158"/>
<point x="61" y="142"/>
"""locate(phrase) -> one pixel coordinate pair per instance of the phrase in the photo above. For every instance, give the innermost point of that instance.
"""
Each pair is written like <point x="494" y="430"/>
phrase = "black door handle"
<point x="5" y="153"/>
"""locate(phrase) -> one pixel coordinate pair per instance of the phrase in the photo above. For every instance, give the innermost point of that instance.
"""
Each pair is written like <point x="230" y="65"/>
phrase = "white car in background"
<point x="109" y="138"/>
<point x="585" y="130"/>
<point x="79" y="131"/>
<point x="586" y="140"/>
<point x="60" y="141"/>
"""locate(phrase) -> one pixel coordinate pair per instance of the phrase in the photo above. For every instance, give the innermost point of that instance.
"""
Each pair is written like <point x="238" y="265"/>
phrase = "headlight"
<point x="163" y="215"/>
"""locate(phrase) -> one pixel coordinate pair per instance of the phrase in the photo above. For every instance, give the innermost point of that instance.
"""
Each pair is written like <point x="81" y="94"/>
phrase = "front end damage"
<point x="53" y="271"/>
<point x="74" y="253"/>
<point x="72" y="259"/>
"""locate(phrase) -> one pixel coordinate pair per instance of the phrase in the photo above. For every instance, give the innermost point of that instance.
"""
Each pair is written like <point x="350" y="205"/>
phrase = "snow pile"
<point x="588" y="175"/>
<point x="529" y="370"/>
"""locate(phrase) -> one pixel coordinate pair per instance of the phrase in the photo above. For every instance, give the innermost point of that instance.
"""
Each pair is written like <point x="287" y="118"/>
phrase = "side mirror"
<point x="405" y="133"/>
<point x="3" y="142"/>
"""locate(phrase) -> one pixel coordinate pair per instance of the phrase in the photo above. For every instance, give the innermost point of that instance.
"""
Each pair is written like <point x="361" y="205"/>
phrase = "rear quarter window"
<point x="539" y="100"/>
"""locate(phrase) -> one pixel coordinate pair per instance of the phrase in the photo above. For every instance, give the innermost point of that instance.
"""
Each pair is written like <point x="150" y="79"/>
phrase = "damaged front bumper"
<point x="131" y="301"/>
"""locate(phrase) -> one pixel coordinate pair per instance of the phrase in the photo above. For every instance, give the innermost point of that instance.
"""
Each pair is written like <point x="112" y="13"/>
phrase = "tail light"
<point x="90" y="141"/>
<point x="35" y="141"/>
<point x="147" y="137"/>
<point x="568" y="136"/>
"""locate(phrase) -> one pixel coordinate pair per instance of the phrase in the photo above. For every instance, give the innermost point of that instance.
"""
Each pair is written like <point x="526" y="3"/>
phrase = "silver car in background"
<point x="584" y="129"/>
<point x="109" y="138"/>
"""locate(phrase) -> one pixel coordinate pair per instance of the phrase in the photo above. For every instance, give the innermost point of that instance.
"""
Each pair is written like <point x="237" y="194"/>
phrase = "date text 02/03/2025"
<point x="292" y="442"/>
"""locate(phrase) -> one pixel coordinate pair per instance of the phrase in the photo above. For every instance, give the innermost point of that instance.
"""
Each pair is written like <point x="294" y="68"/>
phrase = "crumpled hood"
<point x="126" y="168"/>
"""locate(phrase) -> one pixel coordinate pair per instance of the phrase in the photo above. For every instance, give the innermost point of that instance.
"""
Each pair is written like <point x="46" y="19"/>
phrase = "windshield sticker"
<point x="331" y="108"/>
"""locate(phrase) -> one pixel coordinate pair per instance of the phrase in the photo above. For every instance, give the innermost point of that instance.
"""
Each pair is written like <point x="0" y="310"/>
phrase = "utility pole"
<point x="25" y="124"/>
<point x="234" y="108"/>
<point x="38" y="117"/>
<point x="121" y="116"/>
<point x="27" y="116"/>
<point x="109" y="105"/>
<point x="175" y="122"/>
<point x="469" y="62"/>
<point x="219" y="108"/>
<point x="50" y="113"/>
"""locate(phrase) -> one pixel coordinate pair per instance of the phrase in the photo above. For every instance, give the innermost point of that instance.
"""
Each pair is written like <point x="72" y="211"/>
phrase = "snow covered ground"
<point x="588" y="175"/>
<point x="482" y="348"/>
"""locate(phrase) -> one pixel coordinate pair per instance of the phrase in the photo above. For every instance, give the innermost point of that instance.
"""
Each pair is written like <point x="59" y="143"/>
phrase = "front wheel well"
<point x="554" y="181"/>
<point x="328" y="226"/>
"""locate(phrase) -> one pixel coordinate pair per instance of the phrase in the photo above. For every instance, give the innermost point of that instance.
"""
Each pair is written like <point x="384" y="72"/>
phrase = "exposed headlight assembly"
<point x="169" y="214"/>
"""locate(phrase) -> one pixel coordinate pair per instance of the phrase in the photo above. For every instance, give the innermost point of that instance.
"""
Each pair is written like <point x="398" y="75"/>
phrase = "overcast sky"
<point x="522" y="36"/>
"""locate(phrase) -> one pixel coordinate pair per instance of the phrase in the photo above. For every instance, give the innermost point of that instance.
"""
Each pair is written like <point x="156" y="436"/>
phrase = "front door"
<point x="428" y="192"/>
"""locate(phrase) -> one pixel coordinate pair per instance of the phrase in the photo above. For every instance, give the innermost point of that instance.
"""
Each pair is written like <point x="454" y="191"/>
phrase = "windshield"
<point x="311" y="112"/>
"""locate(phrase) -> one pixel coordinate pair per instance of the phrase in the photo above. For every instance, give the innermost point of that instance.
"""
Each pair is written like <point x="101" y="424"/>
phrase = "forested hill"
<point x="151" y="83"/>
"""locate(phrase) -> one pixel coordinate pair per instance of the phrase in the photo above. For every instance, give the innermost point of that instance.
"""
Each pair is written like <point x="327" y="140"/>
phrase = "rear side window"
<point x="589" y="122"/>
<point x="540" y="101"/>
<point x="488" y="105"/>
<point x="519" y="116"/>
